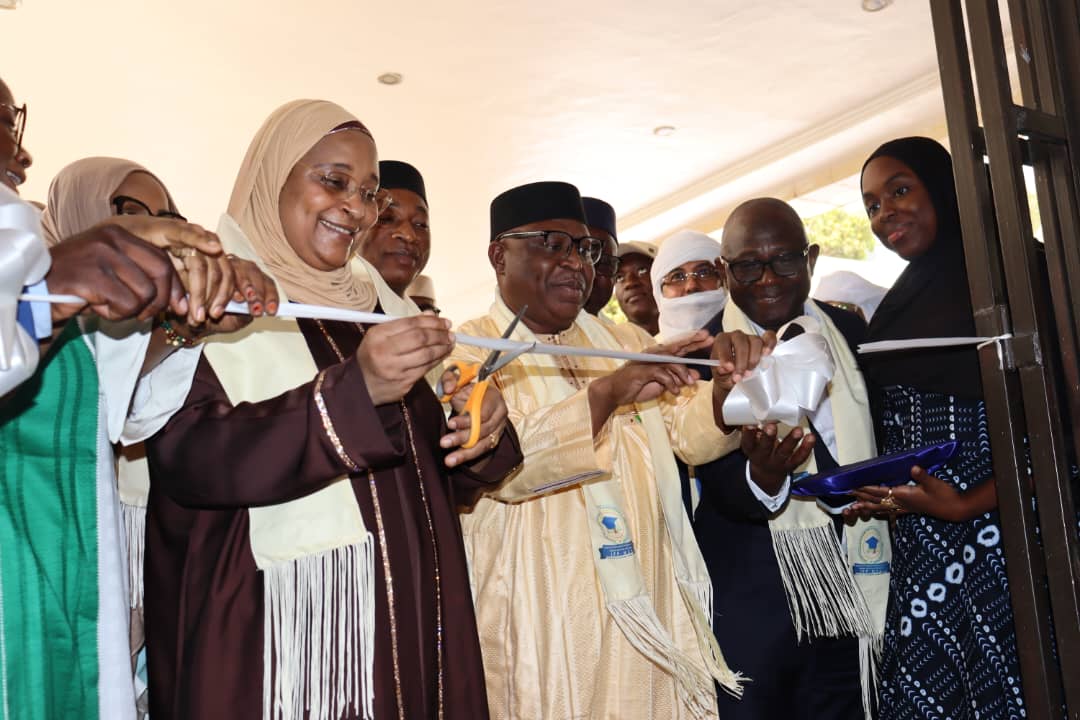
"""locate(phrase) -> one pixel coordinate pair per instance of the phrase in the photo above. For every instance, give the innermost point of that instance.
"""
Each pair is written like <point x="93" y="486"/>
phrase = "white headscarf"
<point x="682" y="315"/>
<point x="846" y="286"/>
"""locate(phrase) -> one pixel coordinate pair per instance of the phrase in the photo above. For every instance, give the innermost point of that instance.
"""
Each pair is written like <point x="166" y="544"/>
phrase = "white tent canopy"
<point x="779" y="97"/>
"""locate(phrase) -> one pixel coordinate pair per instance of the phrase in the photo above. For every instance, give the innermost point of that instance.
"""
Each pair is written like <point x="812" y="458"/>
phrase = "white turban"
<point x="849" y="287"/>
<point x="682" y="315"/>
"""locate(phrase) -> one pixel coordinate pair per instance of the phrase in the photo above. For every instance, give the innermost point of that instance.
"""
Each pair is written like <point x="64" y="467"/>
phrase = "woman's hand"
<point x="864" y="510"/>
<point x="928" y="496"/>
<point x="394" y="356"/>
<point x="251" y="285"/>
<point x="493" y="419"/>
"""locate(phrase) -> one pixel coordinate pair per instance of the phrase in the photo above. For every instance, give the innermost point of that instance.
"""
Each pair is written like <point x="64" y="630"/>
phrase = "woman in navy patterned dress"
<point x="950" y="645"/>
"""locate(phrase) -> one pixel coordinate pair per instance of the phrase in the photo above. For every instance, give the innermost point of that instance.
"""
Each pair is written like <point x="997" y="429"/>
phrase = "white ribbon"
<point x="785" y="385"/>
<point x="515" y="347"/>
<point x="24" y="260"/>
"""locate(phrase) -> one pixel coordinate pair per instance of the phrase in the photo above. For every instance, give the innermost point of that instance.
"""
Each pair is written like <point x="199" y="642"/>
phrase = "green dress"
<point x="49" y="575"/>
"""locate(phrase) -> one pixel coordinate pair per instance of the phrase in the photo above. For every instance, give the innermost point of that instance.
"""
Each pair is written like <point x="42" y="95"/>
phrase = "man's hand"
<point x="738" y="354"/>
<point x="119" y="275"/>
<point x="397" y="354"/>
<point x="684" y="345"/>
<point x="633" y="383"/>
<point x="771" y="459"/>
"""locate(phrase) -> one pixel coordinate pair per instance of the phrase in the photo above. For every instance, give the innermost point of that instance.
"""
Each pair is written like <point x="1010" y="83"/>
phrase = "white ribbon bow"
<point x="785" y="385"/>
<point x="24" y="260"/>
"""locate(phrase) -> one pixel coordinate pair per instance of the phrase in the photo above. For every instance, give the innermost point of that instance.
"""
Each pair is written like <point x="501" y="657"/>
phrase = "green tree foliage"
<point x="841" y="234"/>
<point x="612" y="311"/>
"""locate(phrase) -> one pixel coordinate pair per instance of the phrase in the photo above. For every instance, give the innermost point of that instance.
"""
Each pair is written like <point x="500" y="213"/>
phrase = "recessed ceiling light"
<point x="391" y="78"/>
<point x="663" y="130"/>
<point x="875" y="5"/>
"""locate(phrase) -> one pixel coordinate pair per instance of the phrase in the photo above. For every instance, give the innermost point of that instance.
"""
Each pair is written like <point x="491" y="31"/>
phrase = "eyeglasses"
<point x="428" y="306"/>
<point x="783" y="265"/>
<point x="373" y="200"/>
<point x="17" y="124"/>
<point x="125" y="205"/>
<point x="641" y="273"/>
<point x="680" y="278"/>
<point x="607" y="266"/>
<point x="557" y="243"/>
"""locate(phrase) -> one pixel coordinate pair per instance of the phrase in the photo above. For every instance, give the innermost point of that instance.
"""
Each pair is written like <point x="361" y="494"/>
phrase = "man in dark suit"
<point x="768" y="264"/>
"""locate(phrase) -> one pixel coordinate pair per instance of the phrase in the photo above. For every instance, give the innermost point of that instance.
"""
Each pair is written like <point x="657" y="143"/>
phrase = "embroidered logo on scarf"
<point x="613" y="527"/>
<point x="871" y="547"/>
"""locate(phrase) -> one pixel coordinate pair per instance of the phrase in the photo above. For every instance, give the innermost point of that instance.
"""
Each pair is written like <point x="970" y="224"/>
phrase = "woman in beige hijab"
<point x="92" y="190"/>
<point x="304" y="557"/>
<point x="129" y="407"/>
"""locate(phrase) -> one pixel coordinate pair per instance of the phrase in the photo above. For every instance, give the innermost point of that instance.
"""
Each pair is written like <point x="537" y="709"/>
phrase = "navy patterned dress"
<point x="950" y="646"/>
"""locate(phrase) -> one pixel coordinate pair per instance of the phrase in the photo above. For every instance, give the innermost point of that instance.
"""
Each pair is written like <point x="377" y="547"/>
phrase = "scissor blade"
<point x="491" y="364"/>
<point x="510" y="356"/>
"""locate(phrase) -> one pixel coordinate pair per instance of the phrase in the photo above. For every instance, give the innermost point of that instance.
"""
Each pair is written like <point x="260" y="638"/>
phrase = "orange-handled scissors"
<point x="481" y="373"/>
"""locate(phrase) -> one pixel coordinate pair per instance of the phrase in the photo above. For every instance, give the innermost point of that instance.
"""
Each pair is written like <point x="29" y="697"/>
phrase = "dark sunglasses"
<point x="785" y="265"/>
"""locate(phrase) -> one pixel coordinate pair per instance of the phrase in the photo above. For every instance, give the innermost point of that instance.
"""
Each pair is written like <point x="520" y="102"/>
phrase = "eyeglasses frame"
<point x="575" y="243"/>
<point x="794" y="256"/>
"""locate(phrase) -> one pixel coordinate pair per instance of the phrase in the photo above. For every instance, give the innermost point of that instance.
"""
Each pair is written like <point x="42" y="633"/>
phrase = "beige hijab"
<point x="79" y="195"/>
<point x="284" y="138"/>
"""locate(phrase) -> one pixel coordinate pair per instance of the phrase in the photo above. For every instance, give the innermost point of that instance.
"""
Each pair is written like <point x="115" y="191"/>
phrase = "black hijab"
<point x="930" y="298"/>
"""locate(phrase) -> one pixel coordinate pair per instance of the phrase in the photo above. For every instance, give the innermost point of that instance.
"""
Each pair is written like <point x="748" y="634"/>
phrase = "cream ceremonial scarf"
<point x="613" y="553"/>
<point x="316" y="555"/>
<point x="318" y="645"/>
<point x="831" y="592"/>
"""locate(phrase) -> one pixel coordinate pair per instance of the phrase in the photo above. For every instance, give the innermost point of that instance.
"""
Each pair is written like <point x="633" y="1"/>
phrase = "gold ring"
<point x="183" y="252"/>
<point x="889" y="502"/>
<point x="493" y="439"/>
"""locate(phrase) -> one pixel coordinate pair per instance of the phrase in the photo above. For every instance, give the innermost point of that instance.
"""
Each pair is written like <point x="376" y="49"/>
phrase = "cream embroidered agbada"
<point x="553" y="645"/>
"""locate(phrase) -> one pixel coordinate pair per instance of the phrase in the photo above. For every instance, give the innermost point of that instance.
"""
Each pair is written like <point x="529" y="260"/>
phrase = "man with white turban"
<point x="850" y="291"/>
<point x="688" y="283"/>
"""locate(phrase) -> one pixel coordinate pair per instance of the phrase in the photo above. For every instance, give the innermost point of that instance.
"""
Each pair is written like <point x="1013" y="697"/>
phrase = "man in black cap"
<point x="399" y="244"/>
<point x="590" y="590"/>
<point x="600" y="218"/>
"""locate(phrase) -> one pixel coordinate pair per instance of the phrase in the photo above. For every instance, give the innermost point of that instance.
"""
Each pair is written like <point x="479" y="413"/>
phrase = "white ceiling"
<point x="777" y="96"/>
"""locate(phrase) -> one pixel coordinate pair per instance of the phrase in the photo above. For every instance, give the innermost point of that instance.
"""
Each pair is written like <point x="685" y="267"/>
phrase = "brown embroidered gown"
<point x="203" y="594"/>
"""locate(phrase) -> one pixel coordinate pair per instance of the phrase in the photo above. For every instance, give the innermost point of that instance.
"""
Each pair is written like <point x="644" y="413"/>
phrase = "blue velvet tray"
<point x="894" y="469"/>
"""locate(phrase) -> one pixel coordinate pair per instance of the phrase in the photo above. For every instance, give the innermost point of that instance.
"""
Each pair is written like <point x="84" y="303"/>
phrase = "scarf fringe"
<point x="822" y="595"/>
<point x="638" y="621"/>
<point x="869" y="656"/>
<point x="698" y="597"/>
<point x="134" y="520"/>
<point x="319" y="635"/>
